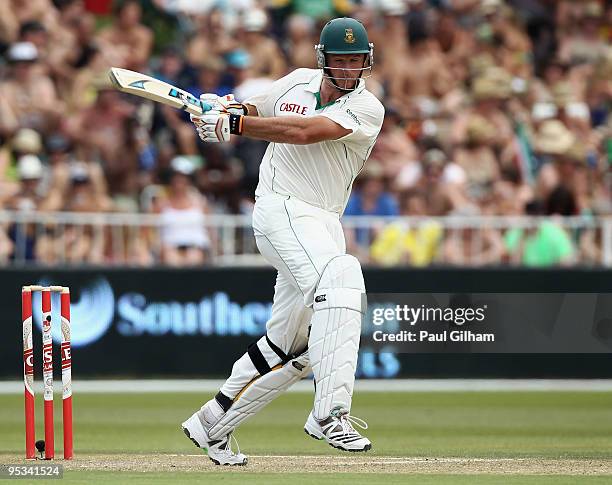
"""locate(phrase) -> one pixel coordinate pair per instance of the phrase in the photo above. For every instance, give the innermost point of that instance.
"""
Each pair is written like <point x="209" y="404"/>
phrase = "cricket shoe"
<point x="338" y="431"/>
<point x="219" y="451"/>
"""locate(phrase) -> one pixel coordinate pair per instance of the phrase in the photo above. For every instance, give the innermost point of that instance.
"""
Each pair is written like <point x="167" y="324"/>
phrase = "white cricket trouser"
<point x="298" y="239"/>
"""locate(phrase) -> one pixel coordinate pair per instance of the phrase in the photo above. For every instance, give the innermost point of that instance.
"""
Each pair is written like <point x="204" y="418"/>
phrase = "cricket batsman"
<point x="321" y="125"/>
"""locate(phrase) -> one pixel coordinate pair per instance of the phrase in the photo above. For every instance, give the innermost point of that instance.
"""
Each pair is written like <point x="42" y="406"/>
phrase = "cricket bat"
<point x="148" y="87"/>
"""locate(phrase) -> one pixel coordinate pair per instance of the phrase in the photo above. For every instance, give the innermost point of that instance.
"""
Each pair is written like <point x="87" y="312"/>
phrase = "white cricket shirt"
<point x="322" y="173"/>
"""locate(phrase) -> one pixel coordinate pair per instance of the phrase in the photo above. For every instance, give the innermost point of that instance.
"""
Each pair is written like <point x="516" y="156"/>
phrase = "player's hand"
<point x="213" y="126"/>
<point x="225" y="103"/>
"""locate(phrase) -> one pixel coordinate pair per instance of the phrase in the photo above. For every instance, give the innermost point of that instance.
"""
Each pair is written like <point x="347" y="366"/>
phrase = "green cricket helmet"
<point x="344" y="35"/>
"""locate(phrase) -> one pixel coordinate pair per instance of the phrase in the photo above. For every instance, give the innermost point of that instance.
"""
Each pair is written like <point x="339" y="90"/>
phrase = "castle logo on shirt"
<point x="293" y="108"/>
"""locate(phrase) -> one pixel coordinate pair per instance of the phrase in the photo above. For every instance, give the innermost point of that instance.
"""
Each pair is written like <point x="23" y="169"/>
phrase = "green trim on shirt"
<point x="318" y="97"/>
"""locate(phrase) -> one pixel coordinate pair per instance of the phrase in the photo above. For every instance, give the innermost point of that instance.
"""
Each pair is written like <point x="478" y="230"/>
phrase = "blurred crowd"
<point x="492" y="108"/>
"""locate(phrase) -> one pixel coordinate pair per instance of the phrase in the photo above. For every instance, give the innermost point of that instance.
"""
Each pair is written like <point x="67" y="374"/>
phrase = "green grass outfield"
<point x="446" y="437"/>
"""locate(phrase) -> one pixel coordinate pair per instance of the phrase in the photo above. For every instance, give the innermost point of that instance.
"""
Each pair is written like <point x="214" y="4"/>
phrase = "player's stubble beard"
<point x="341" y="84"/>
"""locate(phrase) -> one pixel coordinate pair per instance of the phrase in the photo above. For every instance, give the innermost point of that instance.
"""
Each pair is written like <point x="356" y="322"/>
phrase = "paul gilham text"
<point x="426" y="336"/>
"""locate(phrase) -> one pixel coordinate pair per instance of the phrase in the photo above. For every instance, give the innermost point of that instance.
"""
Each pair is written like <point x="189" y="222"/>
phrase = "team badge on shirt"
<point x="349" y="38"/>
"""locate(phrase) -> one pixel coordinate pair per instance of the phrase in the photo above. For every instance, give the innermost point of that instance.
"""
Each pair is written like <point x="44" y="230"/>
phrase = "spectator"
<point x="240" y="67"/>
<point x="472" y="246"/>
<point x="82" y="194"/>
<point x="35" y="33"/>
<point x="490" y="91"/>
<point x="184" y="238"/>
<point x="172" y="67"/>
<point x="220" y="180"/>
<point x="105" y="137"/>
<point x="421" y="78"/>
<point x="76" y="52"/>
<point x="209" y="78"/>
<point x="28" y="196"/>
<point x="27" y="199"/>
<point x="509" y="196"/>
<point x="86" y="83"/>
<point x="59" y="156"/>
<point x="266" y="57"/>
<point x="591" y="247"/>
<point x="212" y="39"/>
<point x="14" y="13"/>
<point x="369" y="198"/>
<point x="394" y="149"/>
<point x="443" y="183"/>
<point x="79" y="242"/>
<point x="477" y="157"/>
<point x="583" y="43"/>
<point x="547" y="244"/>
<point x="128" y="37"/>
<point x="6" y="245"/>
<point x="301" y="38"/>
<point x="415" y="244"/>
<point x="29" y="98"/>
<point x="25" y="142"/>
<point x="457" y="45"/>
<point x="391" y="38"/>
<point x="551" y="141"/>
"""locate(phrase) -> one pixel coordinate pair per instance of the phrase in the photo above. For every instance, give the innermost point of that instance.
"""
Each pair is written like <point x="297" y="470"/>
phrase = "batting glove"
<point x="225" y="117"/>
<point x="213" y="126"/>
<point x="225" y="103"/>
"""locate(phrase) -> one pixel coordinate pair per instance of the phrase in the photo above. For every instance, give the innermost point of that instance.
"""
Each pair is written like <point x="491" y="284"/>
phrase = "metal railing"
<point x="68" y="238"/>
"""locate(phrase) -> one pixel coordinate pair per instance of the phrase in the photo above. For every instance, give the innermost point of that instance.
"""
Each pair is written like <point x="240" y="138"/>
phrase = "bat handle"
<point x="206" y="107"/>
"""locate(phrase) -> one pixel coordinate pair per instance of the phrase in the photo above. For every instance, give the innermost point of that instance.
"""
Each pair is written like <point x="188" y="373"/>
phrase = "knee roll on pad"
<point x="259" y="359"/>
<point x="342" y="272"/>
<point x="341" y="285"/>
<point x="259" y="392"/>
<point x="339" y="304"/>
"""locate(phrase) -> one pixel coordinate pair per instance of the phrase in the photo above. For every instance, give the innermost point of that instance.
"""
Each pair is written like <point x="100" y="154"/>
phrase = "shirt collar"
<point x="314" y="86"/>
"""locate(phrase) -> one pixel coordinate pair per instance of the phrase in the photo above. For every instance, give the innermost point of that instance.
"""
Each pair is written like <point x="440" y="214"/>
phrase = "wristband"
<point x="235" y="122"/>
